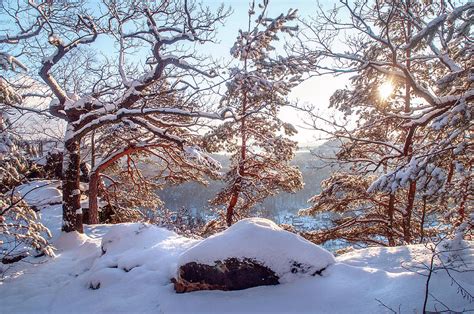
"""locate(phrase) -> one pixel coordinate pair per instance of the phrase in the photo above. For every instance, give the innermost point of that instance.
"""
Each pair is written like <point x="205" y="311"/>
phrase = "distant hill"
<point x="196" y="196"/>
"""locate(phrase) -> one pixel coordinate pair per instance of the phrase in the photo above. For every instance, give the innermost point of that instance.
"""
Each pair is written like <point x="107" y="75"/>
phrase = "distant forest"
<point x="194" y="196"/>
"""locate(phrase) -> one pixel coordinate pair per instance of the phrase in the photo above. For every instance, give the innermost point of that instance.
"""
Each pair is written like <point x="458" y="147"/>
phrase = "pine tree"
<point x="14" y="162"/>
<point x="410" y="95"/>
<point x="258" y="89"/>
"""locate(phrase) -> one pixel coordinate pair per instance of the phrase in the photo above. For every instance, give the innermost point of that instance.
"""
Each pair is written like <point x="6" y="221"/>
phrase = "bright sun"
<point x="385" y="90"/>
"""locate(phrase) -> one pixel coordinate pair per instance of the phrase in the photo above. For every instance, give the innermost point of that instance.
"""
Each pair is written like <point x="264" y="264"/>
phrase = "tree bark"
<point x="464" y="199"/>
<point x="95" y="178"/>
<point x="72" y="212"/>
<point x="93" y="195"/>
<point x="408" y="145"/>
<point x="391" y="210"/>
<point x="422" y="222"/>
<point x="408" y="212"/>
<point x="230" y="208"/>
<point x="241" y="169"/>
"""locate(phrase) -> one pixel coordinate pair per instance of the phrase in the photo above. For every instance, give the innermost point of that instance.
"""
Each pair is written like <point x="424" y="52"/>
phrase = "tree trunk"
<point x="408" y="212"/>
<point x="464" y="198"/>
<point x="72" y="212"/>
<point x="230" y="208"/>
<point x="243" y="156"/>
<point x="408" y="145"/>
<point x="94" y="179"/>
<point x="422" y="223"/>
<point x="391" y="210"/>
<point x="93" y="150"/>
<point x="93" y="198"/>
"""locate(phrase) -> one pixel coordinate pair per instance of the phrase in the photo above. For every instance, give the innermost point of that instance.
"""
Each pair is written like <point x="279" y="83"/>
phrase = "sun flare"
<point x="386" y="90"/>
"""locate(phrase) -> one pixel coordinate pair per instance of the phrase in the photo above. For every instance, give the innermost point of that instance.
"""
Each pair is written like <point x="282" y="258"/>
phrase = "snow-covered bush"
<point x="14" y="162"/>
<point x="15" y="165"/>
<point x="21" y="234"/>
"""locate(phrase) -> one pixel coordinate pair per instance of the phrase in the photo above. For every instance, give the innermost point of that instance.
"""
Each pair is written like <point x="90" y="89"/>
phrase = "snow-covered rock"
<point x="261" y="240"/>
<point x="230" y="274"/>
<point x="40" y="193"/>
<point x="123" y="237"/>
<point x="135" y="249"/>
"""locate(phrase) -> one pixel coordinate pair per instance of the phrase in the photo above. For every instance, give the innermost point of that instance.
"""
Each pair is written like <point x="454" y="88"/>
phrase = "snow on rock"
<point x="145" y="250"/>
<point x="122" y="237"/>
<point x="45" y="196"/>
<point x="228" y="275"/>
<point x="70" y="240"/>
<point x="40" y="193"/>
<point x="51" y="217"/>
<point x="286" y="253"/>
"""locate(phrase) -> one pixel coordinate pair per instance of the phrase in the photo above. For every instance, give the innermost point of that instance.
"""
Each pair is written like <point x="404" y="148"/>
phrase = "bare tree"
<point x="150" y="163"/>
<point x="169" y="29"/>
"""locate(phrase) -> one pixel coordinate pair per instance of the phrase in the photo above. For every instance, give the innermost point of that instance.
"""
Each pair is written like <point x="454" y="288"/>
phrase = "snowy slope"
<point x="134" y="276"/>
<point x="127" y="268"/>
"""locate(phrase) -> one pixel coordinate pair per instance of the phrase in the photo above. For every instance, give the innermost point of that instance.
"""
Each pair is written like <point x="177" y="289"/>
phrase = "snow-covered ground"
<point x="128" y="267"/>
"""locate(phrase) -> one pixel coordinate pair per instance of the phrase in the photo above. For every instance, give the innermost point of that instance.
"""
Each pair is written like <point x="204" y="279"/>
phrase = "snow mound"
<point x="286" y="253"/>
<point x="128" y="236"/>
<point x="40" y="193"/>
<point x="69" y="241"/>
<point x="134" y="253"/>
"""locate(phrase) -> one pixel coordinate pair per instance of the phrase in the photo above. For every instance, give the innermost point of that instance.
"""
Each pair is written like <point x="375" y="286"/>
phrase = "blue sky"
<point x="238" y="20"/>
